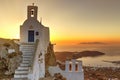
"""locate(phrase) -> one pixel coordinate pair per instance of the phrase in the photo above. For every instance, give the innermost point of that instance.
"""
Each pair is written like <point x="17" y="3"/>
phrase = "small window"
<point x="32" y="12"/>
<point x="76" y="67"/>
<point x="37" y="33"/>
<point x="70" y="67"/>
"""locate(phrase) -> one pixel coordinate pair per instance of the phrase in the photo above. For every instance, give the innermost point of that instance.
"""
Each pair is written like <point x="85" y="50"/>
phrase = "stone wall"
<point x="50" y="59"/>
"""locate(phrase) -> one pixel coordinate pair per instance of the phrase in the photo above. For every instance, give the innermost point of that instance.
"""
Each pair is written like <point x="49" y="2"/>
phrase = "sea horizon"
<point x="112" y="53"/>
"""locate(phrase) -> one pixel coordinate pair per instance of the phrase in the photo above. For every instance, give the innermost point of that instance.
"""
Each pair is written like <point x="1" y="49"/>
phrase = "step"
<point x="27" y="44"/>
<point x="26" y="48"/>
<point x="29" y="56"/>
<point x="24" y="64"/>
<point x="27" y="52"/>
<point x="19" y="79"/>
<point x="21" y="71"/>
<point x="25" y="61"/>
<point x="23" y="68"/>
<point x="30" y="50"/>
<point x="28" y="59"/>
<point x="20" y="75"/>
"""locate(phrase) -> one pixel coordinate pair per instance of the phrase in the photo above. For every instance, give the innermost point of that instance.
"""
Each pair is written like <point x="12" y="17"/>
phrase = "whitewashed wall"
<point x="69" y="75"/>
<point x="30" y="24"/>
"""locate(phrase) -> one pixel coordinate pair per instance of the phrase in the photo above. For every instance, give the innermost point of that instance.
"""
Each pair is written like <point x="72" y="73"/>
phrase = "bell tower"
<point x="32" y="11"/>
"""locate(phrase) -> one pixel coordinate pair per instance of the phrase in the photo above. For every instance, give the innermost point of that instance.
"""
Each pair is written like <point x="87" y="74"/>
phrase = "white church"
<point x="34" y="41"/>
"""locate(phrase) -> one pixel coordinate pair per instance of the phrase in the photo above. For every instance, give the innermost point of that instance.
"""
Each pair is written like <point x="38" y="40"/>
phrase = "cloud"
<point x="98" y="43"/>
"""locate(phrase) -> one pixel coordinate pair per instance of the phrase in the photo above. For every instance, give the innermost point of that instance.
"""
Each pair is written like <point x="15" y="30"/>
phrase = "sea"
<point x="112" y="53"/>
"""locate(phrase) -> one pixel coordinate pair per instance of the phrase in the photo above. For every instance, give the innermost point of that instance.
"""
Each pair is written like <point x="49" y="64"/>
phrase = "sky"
<point x="70" y="21"/>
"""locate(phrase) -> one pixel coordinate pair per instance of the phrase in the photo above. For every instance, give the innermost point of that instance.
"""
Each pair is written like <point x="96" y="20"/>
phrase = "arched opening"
<point x="70" y="67"/>
<point x="76" y="67"/>
<point x="32" y="12"/>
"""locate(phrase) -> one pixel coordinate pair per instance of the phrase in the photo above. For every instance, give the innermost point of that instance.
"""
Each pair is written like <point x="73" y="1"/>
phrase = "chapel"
<point x="37" y="52"/>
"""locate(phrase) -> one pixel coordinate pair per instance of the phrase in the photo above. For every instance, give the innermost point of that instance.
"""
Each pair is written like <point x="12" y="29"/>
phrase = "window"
<point x="70" y="67"/>
<point x="37" y="33"/>
<point x="32" y="12"/>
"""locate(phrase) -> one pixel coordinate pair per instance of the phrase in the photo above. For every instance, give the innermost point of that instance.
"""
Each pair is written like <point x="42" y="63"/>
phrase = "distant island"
<point x="66" y="54"/>
<point x="114" y="62"/>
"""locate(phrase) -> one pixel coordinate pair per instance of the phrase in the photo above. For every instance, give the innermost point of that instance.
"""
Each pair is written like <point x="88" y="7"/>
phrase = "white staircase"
<point x="21" y="73"/>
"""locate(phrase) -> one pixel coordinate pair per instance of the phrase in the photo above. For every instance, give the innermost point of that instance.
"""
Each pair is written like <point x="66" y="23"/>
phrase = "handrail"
<point x="32" y="61"/>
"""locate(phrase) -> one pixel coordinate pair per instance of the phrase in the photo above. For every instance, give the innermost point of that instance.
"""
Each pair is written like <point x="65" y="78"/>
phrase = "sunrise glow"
<point x="72" y="23"/>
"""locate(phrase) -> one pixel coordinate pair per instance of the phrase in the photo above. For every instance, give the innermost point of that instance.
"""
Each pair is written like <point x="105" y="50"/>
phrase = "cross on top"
<point x="33" y="4"/>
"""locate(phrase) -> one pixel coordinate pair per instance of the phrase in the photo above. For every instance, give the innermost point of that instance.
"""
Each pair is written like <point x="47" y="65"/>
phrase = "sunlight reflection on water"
<point x="112" y="53"/>
<point x="98" y="61"/>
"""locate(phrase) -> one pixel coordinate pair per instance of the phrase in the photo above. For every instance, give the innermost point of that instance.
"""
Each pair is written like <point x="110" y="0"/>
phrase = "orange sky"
<point x="70" y="21"/>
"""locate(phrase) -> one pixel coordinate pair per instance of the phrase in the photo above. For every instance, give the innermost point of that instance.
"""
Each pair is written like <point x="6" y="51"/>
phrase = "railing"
<point x="31" y="64"/>
<point x="37" y="68"/>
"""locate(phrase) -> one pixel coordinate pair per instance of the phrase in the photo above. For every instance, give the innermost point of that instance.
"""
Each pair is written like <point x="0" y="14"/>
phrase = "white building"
<point x="34" y="40"/>
<point x="32" y="29"/>
<point x="73" y="70"/>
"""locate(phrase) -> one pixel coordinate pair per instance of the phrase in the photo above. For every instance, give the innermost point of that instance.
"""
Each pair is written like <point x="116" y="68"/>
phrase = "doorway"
<point x="31" y="36"/>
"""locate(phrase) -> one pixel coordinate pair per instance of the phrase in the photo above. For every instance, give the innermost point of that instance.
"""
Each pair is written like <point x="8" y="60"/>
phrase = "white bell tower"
<point x="32" y="11"/>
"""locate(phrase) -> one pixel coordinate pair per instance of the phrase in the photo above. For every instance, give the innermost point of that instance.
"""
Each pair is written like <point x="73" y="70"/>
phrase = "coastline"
<point x="114" y="62"/>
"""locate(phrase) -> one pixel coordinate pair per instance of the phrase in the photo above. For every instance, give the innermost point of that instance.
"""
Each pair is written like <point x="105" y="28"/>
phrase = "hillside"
<point x="63" y="55"/>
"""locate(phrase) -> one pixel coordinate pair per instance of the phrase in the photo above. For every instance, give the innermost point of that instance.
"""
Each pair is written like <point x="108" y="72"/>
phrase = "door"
<point x="31" y="36"/>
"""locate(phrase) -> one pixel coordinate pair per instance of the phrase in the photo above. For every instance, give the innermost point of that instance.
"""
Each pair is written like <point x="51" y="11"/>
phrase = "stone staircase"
<point x="21" y="73"/>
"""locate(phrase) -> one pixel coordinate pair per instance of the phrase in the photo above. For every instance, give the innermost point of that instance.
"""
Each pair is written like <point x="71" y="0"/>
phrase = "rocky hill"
<point x="8" y="61"/>
<point x="63" y="55"/>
